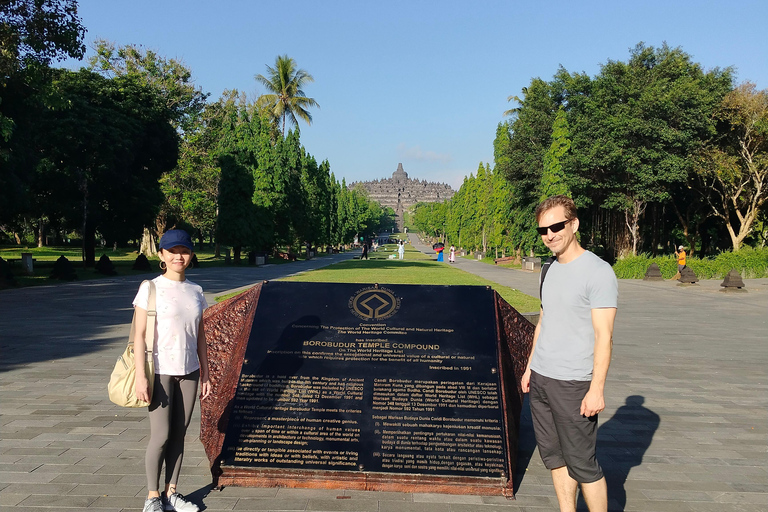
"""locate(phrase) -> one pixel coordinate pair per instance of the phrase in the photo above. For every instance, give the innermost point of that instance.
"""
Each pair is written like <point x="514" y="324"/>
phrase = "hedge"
<point x="750" y="263"/>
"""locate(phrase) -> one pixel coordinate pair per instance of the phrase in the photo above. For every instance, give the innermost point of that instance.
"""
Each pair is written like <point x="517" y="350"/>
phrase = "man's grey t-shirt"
<point x="566" y="343"/>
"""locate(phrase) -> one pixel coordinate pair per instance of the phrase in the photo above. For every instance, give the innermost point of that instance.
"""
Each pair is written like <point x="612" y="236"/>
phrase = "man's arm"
<point x="602" y="322"/>
<point x="525" y="381"/>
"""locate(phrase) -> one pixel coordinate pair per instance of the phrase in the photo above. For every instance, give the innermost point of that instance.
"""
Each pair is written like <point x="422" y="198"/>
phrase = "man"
<point x="570" y="357"/>
<point x="680" y="255"/>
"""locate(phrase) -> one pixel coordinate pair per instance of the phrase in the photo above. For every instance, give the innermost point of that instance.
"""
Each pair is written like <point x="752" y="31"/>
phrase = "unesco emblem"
<point x="374" y="303"/>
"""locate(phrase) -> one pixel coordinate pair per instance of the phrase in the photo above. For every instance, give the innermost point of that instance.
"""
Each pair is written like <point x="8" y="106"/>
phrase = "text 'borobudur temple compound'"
<point x="401" y="192"/>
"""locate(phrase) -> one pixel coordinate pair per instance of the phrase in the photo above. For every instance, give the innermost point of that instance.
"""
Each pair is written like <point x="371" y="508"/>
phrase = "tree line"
<point x="129" y="147"/>
<point x="655" y="151"/>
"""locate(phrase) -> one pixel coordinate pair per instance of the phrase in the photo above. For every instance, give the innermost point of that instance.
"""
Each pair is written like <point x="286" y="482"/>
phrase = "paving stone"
<point x="400" y="506"/>
<point x="677" y="495"/>
<point x="445" y="498"/>
<point x="461" y="507"/>
<point x="106" y="490"/>
<point x="271" y="504"/>
<point x="382" y="496"/>
<point x="26" y="478"/>
<point x="117" y="503"/>
<point x="246" y="492"/>
<point x="86" y="478"/>
<point x="57" y="501"/>
<point x="341" y="505"/>
<point x="10" y="500"/>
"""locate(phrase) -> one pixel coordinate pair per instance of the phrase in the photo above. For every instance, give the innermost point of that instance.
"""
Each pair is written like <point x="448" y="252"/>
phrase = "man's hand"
<point x="525" y="382"/>
<point x="592" y="403"/>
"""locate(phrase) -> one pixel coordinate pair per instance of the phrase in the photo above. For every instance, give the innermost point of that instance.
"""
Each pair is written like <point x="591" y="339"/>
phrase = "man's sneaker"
<point x="178" y="502"/>
<point x="153" y="505"/>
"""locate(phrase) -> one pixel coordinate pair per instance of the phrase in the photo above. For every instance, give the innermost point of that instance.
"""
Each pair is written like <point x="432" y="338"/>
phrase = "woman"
<point x="401" y="250"/>
<point x="452" y="254"/>
<point x="181" y="361"/>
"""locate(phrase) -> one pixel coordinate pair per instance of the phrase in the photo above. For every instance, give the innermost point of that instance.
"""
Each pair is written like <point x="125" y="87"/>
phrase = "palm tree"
<point x="287" y="99"/>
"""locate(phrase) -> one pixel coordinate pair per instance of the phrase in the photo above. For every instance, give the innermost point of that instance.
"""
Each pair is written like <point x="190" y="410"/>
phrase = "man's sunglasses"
<point x="555" y="228"/>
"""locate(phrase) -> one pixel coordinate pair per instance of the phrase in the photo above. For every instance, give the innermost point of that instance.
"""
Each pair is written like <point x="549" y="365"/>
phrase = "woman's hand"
<point x="142" y="388"/>
<point x="205" y="387"/>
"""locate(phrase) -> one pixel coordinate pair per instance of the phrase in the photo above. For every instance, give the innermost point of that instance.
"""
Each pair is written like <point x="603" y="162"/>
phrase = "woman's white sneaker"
<point x="179" y="503"/>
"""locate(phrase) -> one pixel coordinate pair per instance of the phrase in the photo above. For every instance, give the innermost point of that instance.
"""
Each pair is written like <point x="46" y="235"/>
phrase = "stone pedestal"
<point x="653" y="273"/>
<point x="688" y="276"/>
<point x="733" y="282"/>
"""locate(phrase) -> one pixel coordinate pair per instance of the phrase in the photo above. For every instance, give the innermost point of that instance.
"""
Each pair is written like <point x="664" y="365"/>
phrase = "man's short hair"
<point x="554" y="201"/>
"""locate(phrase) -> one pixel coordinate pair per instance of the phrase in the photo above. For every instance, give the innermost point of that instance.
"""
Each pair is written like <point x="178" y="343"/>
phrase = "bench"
<point x="13" y="260"/>
<point x="286" y="256"/>
<point x="505" y="259"/>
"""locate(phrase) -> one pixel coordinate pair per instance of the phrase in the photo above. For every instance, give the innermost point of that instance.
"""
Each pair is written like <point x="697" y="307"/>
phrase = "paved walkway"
<point x="685" y="428"/>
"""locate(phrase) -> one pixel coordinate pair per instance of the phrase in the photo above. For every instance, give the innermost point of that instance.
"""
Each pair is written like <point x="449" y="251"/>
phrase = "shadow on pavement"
<point x="622" y="443"/>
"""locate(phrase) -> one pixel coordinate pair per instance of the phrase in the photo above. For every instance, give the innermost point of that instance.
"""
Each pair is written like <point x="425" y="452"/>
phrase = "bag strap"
<point x="544" y="270"/>
<point x="149" y="333"/>
<point x="151" y="319"/>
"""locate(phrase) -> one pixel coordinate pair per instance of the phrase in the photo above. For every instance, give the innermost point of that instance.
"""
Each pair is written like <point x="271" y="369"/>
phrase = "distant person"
<point x="181" y="363"/>
<point x="401" y="250"/>
<point x="452" y="254"/>
<point x="570" y="356"/>
<point x="365" y="251"/>
<point x="681" y="258"/>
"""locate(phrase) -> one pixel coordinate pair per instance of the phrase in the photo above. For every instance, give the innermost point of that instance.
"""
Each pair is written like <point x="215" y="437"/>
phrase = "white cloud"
<point x="416" y="153"/>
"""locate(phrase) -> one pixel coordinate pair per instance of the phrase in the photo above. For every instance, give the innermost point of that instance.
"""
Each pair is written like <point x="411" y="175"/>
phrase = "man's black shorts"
<point x="565" y="437"/>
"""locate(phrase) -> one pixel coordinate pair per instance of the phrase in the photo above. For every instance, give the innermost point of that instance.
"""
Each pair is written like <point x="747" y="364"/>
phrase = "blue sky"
<point x="417" y="82"/>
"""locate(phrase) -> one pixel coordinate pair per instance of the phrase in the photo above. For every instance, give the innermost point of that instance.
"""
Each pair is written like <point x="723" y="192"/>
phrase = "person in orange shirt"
<point x="680" y="255"/>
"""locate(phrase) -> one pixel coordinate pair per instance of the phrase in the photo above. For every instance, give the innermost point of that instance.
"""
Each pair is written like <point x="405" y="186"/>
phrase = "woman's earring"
<point x="163" y="265"/>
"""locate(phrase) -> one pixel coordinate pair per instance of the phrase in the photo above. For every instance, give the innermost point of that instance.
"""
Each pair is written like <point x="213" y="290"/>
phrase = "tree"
<point x="286" y="98"/>
<point x="733" y="169"/>
<point x="553" y="180"/>
<point x="185" y="201"/>
<point x="636" y="126"/>
<point x="101" y="151"/>
<point x="237" y="223"/>
<point x="34" y="33"/>
<point x="520" y="146"/>
<point x="171" y="78"/>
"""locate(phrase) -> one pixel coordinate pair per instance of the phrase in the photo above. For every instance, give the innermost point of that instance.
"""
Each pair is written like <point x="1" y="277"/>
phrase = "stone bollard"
<point x="142" y="263"/>
<point x="63" y="270"/>
<point x="105" y="266"/>
<point x="653" y="273"/>
<point x="733" y="282"/>
<point x="687" y="277"/>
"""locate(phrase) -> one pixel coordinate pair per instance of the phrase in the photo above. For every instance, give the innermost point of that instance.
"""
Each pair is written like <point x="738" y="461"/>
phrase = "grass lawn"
<point x="416" y="268"/>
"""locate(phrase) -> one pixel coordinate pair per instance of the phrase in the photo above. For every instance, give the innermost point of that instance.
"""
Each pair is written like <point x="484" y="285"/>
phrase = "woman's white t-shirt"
<point x="180" y="306"/>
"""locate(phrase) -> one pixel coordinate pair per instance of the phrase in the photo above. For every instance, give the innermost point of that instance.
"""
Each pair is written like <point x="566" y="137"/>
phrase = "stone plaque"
<point x="398" y="379"/>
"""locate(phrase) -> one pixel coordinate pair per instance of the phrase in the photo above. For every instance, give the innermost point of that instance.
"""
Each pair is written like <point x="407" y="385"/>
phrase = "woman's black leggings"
<point x="173" y="399"/>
